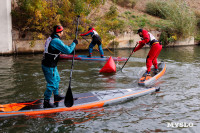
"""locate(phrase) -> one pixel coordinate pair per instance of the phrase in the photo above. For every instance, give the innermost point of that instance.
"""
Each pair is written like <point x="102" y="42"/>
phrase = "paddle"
<point x="129" y="56"/>
<point x="85" y="39"/>
<point x="96" y="48"/>
<point x="88" y="42"/>
<point x="69" y="100"/>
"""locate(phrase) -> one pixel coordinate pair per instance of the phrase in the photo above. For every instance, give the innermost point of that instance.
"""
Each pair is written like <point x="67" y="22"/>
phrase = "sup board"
<point x="93" y="58"/>
<point x="154" y="76"/>
<point x="82" y="101"/>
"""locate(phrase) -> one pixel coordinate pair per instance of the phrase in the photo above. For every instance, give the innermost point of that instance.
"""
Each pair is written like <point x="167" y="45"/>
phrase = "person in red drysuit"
<point x="156" y="47"/>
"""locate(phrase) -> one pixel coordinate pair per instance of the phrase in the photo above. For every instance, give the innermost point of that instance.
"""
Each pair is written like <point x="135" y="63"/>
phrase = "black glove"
<point x="75" y="41"/>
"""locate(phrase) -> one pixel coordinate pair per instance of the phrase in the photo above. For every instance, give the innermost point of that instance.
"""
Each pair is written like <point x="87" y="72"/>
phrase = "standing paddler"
<point x="156" y="47"/>
<point x="96" y="39"/>
<point x="53" y="48"/>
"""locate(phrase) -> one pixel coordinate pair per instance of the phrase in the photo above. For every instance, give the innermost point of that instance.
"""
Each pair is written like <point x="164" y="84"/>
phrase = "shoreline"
<point x="85" y="50"/>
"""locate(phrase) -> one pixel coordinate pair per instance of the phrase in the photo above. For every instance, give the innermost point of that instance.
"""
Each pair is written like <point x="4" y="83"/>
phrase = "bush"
<point x="114" y="44"/>
<point x="153" y="8"/>
<point x="167" y="36"/>
<point x="183" y="20"/>
<point x="112" y="13"/>
<point x="39" y="16"/>
<point x="142" y="22"/>
<point x="109" y="23"/>
<point x="130" y="42"/>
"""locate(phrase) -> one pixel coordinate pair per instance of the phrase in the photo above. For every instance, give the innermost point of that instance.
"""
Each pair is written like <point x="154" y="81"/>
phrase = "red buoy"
<point x="109" y="67"/>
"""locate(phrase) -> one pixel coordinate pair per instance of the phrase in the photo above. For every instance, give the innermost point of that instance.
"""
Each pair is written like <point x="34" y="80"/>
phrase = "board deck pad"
<point x="85" y="98"/>
<point x="82" y="101"/>
<point x="149" y="80"/>
<point x="93" y="58"/>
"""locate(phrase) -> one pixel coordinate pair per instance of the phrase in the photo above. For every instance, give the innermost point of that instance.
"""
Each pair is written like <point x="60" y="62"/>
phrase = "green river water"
<point x="176" y="108"/>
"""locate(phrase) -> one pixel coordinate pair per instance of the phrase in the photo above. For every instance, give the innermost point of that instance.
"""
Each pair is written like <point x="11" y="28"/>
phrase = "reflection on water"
<point x="178" y="101"/>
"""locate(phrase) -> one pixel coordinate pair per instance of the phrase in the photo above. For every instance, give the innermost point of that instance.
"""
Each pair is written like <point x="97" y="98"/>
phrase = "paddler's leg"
<point x="100" y="49"/>
<point x="57" y="97"/>
<point x="90" y="49"/>
<point x="49" y="76"/>
<point x="157" y="52"/>
<point x="152" y="56"/>
<point x="149" y="63"/>
<point x="57" y="81"/>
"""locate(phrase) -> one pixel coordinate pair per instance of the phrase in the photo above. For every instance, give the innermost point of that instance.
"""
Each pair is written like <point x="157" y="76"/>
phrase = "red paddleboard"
<point x="109" y="67"/>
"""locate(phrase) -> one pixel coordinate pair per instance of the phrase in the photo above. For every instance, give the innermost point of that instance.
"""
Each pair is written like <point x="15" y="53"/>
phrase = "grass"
<point x="183" y="20"/>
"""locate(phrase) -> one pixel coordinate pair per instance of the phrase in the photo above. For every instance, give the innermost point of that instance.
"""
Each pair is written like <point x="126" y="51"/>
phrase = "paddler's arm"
<point x="139" y="46"/>
<point x="64" y="49"/>
<point x="145" y="40"/>
<point x="90" y="32"/>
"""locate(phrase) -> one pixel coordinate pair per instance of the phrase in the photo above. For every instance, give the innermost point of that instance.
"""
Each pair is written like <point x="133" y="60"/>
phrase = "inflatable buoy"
<point x="109" y="67"/>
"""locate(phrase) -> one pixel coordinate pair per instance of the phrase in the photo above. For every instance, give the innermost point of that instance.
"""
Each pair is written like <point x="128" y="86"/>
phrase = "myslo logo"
<point x="180" y="124"/>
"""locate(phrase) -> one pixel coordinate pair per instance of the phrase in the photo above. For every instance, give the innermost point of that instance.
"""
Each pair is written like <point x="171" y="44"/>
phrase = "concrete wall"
<point x="6" y="27"/>
<point x="183" y="42"/>
<point x="124" y="40"/>
<point x="25" y="46"/>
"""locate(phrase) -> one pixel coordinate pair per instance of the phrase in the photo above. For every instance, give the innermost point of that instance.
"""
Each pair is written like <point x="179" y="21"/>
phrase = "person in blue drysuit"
<point x="53" y="48"/>
<point x="96" y="39"/>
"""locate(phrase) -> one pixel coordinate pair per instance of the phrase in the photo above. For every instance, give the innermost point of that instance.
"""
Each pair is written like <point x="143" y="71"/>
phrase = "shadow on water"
<point x="178" y="101"/>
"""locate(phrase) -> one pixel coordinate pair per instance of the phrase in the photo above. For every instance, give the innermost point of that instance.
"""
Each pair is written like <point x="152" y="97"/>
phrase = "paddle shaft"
<point x="88" y="42"/>
<point x="69" y="100"/>
<point x="129" y="56"/>
<point x="74" y="51"/>
<point x="98" y="40"/>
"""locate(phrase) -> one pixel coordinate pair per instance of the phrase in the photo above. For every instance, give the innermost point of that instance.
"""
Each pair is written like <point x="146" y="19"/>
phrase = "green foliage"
<point x="134" y="22"/>
<point x="127" y="12"/>
<point x="142" y="22"/>
<point x="114" y="44"/>
<point x="109" y="23"/>
<point x="153" y="8"/>
<point x="167" y="35"/>
<point x="41" y="15"/>
<point x="112" y="13"/>
<point x="182" y="19"/>
<point x="130" y="42"/>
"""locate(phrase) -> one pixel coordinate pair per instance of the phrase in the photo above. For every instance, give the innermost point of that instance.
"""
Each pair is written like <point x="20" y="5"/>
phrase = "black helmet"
<point x="139" y="30"/>
<point x="89" y="28"/>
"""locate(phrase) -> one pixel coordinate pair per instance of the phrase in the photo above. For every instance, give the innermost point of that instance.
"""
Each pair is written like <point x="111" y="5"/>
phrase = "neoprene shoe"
<point x="89" y="56"/>
<point x="156" y="71"/>
<point x="147" y="74"/>
<point x="47" y="104"/>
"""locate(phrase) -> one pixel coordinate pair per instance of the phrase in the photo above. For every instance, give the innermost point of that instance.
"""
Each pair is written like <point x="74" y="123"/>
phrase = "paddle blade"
<point x="69" y="100"/>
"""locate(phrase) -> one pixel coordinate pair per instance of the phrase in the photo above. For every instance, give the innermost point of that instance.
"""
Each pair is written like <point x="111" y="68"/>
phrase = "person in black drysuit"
<point x="96" y="39"/>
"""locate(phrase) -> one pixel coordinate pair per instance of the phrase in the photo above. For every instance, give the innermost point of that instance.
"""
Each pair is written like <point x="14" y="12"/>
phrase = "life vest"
<point x="50" y="57"/>
<point x="95" y="33"/>
<point x="152" y="40"/>
<point x="95" y="36"/>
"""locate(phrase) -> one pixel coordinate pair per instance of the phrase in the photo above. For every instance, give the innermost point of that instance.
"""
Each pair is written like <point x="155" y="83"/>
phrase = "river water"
<point x="174" y="109"/>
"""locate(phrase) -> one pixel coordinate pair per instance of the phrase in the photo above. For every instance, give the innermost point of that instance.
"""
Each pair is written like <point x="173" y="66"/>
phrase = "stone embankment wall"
<point x="127" y="40"/>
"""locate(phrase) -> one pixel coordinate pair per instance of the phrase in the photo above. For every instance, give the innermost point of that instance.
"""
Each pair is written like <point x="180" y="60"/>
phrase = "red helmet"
<point x="58" y="28"/>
